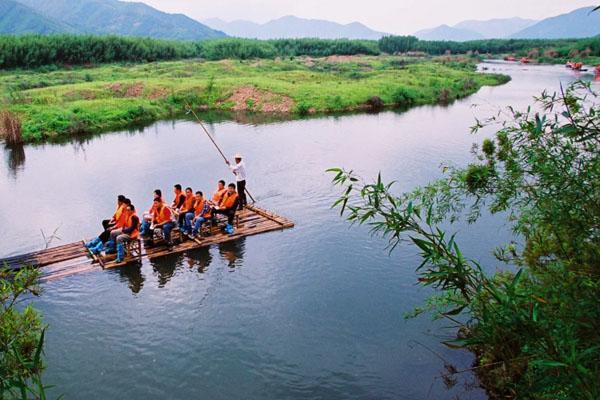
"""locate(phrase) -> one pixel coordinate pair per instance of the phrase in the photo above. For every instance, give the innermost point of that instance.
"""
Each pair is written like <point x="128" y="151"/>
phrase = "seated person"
<point x="162" y="220"/>
<point x="187" y="207"/>
<point x="228" y="206"/>
<point x="97" y="245"/>
<point x="200" y="214"/>
<point x="129" y="232"/>
<point x="147" y="216"/>
<point x="109" y="223"/>
<point x="179" y="198"/>
<point x="218" y="194"/>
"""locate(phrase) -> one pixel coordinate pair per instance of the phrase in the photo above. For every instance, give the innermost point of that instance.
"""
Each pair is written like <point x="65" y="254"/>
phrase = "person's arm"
<point x="234" y="168"/>
<point x="134" y="224"/>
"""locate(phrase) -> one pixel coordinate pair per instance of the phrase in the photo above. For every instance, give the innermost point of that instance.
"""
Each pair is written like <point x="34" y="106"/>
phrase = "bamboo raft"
<point x="75" y="258"/>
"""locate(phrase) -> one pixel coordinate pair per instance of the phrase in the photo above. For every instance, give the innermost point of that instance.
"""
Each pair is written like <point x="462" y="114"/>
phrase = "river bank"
<point x="316" y="311"/>
<point x="54" y="104"/>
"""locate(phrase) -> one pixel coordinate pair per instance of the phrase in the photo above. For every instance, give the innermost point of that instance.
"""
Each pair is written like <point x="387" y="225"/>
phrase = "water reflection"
<point x="233" y="252"/>
<point x="15" y="158"/>
<point x="164" y="267"/>
<point x="199" y="259"/>
<point x="132" y="274"/>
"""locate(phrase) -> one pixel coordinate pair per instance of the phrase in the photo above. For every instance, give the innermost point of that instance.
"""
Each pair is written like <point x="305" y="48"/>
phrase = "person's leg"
<point x="187" y="226"/>
<point x="167" y="228"/>
<point x="122" y="239"/>
<point x="181" y="220"/>
<point x="241" y="189"/>
<point x="230" y="216"/>
<point x="198" y="226"/>
<point x="145" y="228"/>
<point x="105" y="223"/>
<point x="112" y="243"/>
<point x="93" y="243"/>
<point x="104" y="236"/>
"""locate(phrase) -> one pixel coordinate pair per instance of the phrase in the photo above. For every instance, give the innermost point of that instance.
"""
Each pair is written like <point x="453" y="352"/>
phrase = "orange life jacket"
<point x="177" y="199"/>
<point x="199" y="206"/>
<point x="228" y="200"/>
<point x="120" y="216"/>
<point x="218" y="196"/>
<point x="163" y="216"/>
<point x="118" y="211"/>
<point x="189" y="202"/>
<point x="135" y="233"/>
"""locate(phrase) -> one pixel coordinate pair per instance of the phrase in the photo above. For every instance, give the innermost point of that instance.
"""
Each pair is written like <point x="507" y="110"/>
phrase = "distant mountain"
<point x="576" y="24"/>
<point x="121" y="18"/>
<point x="496" y="28"/>
<point x="15" y="18"/>
<point x="445" y="32"/>
<point x="294" y="27"/>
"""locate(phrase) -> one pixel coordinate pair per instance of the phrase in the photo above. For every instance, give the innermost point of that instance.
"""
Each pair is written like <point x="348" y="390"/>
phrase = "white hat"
<point x="237" y="155"/>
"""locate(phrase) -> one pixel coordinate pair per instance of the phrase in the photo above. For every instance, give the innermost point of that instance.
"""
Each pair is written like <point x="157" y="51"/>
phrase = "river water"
<point x="313" y="312"/>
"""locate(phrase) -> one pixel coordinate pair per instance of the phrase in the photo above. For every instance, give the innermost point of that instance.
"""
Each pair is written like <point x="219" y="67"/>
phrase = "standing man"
<point x="239" y="169"/>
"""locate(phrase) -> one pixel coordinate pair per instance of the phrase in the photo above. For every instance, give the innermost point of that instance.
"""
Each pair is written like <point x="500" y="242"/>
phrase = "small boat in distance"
<point x="525" y="60"/>
<point x="510" y="58"/>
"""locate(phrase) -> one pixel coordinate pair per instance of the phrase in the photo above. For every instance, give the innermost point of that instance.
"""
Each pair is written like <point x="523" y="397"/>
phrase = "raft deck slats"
<point x="75" y="258"/>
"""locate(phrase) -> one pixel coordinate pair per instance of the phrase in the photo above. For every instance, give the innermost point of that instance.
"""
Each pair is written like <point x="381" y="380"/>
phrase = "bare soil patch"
<point x="249" y="98"/>
<point x="134" y="90"/>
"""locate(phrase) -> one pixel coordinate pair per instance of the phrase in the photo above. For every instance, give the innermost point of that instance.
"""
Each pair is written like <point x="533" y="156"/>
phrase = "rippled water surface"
<point x="312" y="312"/>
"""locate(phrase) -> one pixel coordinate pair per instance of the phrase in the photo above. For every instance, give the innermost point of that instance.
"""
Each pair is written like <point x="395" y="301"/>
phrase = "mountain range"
<point x="293" y="27"/>
<point x="579" y="23"/>
<point x="138" y="19"/>
<point x="15" y="17"/>
<point x="99" y="17"/>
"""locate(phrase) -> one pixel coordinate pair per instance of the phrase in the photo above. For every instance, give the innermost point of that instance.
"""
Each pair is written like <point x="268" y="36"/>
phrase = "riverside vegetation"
<point x="21" y="337"/>
<point x="56" y="102"/>
<point x="294" y="76"/>
<point x="534" y="325"/>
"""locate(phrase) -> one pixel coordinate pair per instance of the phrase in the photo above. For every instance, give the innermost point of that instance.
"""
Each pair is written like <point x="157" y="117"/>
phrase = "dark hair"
<point x="158" y="192"/>
<point x="231" y="185"/>
<point x="200" y="193"/>
<point x="120" y="198"/>
<point x="222" y="182"/>
<point x="127" y="202"/>
<point x="178" y="186"/>
<point x="158" y="199"/>
<point x="188" y="188"/>
<point x="132" y="207"/>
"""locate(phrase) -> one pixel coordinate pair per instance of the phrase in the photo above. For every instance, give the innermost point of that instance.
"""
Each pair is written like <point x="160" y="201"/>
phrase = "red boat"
<point x="597" y="70"/>
<point x="569" y="64"/>
<point x="525" y="60"/>
<point x="510" y="58"/>
<point x="577" y="66"/>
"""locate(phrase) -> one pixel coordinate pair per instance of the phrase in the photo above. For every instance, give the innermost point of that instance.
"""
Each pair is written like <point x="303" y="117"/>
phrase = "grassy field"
<point x="57" y="103"/>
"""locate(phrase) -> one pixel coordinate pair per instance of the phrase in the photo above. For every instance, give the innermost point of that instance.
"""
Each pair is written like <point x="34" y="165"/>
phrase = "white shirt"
<point x="239" y="170"/>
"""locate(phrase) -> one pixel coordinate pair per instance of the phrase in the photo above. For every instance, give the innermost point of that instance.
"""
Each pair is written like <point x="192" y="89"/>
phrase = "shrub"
<point x="10" y="127"/>
<point x="404" y="97"/>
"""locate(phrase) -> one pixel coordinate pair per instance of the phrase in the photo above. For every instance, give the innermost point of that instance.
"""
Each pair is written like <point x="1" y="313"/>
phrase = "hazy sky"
<point x="393" y="16"/>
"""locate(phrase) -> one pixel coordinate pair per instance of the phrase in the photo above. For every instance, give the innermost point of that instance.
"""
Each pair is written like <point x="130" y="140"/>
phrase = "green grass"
<point x="55" y="103"/>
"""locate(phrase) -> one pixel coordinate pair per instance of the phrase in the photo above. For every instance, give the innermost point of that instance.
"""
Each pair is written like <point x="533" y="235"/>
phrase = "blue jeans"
<point x="166" y="229"/>
<point x="187" y="225"/>
<point x="198" y="225"/>
<point x="145" y="228"/>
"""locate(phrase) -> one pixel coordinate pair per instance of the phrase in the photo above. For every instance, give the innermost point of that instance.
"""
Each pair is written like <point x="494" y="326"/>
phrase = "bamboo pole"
<point x="216" y="145"/>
